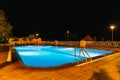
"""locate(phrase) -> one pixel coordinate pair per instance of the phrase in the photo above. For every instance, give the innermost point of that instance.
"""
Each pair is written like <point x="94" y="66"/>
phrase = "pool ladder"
<point x="83" y="51"/>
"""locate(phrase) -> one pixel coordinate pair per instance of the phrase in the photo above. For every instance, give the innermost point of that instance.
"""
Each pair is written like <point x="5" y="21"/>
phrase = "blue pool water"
<point x="48" y="56"/>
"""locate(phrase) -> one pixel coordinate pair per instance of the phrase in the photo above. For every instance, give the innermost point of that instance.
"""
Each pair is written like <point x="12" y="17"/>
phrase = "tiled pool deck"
<point x="107" y="68"/>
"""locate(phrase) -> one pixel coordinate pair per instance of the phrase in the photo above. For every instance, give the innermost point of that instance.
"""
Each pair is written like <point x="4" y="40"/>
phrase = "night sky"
<point x="53" y="19"/>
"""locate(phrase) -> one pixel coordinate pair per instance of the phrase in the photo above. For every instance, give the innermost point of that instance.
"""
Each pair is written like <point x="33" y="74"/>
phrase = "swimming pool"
<point x="51" y="56"/>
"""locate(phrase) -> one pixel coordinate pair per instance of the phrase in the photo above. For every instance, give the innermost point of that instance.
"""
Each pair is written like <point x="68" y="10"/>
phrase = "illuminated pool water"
<point x="49" y="56"/>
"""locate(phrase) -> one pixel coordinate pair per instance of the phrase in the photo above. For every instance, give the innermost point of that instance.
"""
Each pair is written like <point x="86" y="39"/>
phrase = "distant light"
<point x="37" y="34"/>
<point x="67" y="31"/>
<point x="112" y="27"/>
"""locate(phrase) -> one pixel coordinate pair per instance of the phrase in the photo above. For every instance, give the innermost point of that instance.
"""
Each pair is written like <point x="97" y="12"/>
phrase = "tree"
<point x="5" y="27"/>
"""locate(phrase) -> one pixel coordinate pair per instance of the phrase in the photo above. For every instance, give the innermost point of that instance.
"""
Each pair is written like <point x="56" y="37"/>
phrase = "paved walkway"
<point x="107" y="68"/>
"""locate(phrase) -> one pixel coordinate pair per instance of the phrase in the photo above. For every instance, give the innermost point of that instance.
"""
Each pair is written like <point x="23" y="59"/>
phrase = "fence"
<point x="103" y="44"/>
<point x="65" y="43"/>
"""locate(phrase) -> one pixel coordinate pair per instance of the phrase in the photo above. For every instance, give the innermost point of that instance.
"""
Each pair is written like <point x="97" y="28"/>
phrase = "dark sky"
<point x="53" y="19"/>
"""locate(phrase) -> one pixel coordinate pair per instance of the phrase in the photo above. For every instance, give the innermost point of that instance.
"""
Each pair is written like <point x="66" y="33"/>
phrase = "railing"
<point x="67" y="43"/>
<point x="103" y="44"/>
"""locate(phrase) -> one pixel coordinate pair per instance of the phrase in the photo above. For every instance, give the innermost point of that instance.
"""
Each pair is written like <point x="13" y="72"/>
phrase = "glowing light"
<point x="37" y="34"/>
<point x="112" y="27"/>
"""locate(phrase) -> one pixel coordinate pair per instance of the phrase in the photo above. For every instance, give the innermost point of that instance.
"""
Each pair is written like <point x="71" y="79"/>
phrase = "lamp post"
<point x="68" y="35"/>
<point x="112" y="28"/>
<point x="37" y="38"/>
